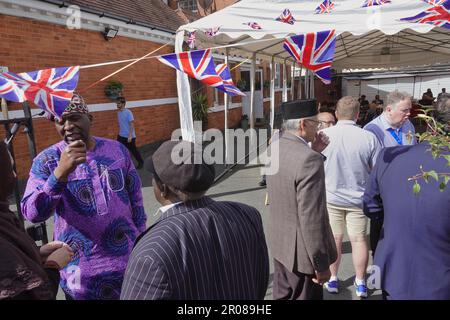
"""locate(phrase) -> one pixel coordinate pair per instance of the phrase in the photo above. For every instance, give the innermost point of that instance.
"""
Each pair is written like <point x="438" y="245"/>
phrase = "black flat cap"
<point x="299" y="109"/>
<point x="175" y="165"/>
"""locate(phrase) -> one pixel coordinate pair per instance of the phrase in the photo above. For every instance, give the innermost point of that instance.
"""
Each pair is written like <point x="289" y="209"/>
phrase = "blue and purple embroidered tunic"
<point x="99" y="212"/>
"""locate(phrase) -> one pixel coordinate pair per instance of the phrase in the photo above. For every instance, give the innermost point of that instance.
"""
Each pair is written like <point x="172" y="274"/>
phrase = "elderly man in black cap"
<point x="300" y="236"/>
<point x="199" y="248"/>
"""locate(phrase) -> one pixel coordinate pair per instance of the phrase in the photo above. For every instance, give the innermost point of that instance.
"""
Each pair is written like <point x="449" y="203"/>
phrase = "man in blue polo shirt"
<point x="127" y="134"/>
<point x="392" y="128"/>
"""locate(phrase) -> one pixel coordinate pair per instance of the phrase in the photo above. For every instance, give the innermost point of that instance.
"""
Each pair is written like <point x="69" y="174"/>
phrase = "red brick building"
<point x="42" y="34"/>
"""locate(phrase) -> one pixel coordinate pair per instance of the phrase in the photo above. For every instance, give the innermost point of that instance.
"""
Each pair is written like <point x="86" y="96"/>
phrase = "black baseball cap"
<point x="174" y="164"/>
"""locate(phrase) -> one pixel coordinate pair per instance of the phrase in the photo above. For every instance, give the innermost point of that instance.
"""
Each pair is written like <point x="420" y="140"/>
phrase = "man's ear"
<point x="301" y="126"/>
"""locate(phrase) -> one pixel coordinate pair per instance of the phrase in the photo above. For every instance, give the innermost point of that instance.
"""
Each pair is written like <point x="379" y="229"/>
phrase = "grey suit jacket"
<point x="300" y="235"/>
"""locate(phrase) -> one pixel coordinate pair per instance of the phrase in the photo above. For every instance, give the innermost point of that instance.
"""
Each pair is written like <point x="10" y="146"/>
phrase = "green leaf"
<point x="425" y="176"/>
<point x="446" y="179"/>
<point x="447" y="157"/>
<point x="434" y="175"/>
<point x="442" y="187"/>
<point x="416" y="188"/>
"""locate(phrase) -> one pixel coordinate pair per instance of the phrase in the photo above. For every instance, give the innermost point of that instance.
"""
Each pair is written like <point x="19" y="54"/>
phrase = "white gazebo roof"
<point x="372" y="37"/>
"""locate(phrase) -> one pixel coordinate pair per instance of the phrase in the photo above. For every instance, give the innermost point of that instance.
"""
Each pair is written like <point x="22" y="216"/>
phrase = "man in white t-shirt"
<point x="351" y="155"/>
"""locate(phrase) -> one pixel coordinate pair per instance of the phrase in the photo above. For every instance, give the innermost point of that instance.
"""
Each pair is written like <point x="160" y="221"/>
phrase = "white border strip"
<point x="222" y="107"/>
<point x="102" y="107"/>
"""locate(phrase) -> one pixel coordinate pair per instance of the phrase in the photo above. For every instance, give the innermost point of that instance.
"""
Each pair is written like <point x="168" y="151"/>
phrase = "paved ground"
<point x="241" y="185"/>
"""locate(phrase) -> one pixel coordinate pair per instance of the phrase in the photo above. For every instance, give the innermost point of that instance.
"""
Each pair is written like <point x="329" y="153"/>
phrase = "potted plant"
<point x="200" y="108"/>
<point x="113" y="89"/>
<point x="241" y="84"/>
<point x="244" y="122"/>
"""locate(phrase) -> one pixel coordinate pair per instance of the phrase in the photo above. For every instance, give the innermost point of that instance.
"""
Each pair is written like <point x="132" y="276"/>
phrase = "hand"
<point x="130" y="139"/>
<point x="320" y="142"/>
<point x="73" y="155"/>
<point x="50" y="247"/>
<point x="322" y="277"/>
<point x="61" y="256"/>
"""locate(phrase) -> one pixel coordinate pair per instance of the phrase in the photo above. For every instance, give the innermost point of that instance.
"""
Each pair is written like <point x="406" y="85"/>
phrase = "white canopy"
<point x="366" y="37"/>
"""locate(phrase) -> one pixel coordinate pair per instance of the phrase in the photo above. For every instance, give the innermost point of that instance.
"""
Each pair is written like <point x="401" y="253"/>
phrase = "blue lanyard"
<point x="399" y="137"/>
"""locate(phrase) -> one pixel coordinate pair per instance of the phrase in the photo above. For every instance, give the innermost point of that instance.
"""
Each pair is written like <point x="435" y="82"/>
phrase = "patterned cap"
<point x="76" y="105"/>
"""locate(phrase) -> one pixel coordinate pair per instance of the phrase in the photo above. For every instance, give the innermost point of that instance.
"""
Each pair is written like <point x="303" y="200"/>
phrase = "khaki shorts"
<point x="352" y="217"/>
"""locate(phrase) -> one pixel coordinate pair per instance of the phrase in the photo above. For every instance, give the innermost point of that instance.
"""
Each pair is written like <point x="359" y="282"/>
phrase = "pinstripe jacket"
<point x="200" y="249"/>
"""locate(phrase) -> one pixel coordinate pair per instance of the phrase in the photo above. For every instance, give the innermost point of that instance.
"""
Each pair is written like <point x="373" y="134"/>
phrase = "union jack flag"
<point x="438" y="16"/>
<point x="10" y="91"/>
<point x="50" y="89"/>
<point x="314" y="51"/>
<point x="223" y="71"/>
<point x="191" y="40"/>
<point x="286" y="17"/>
<point x="325" y="7"/>
<point x="371" y="3"/>
<point x="211" y="32"/>
<point x="253" y="25"/>
<point x="196" y="64"/>
<point x="434" y="2"/>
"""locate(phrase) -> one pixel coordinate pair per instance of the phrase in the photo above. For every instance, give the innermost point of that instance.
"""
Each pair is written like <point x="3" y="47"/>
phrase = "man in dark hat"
<point x="199" y="248"/>
<point x="92" y="188"/>
<point x="300" y="236"/>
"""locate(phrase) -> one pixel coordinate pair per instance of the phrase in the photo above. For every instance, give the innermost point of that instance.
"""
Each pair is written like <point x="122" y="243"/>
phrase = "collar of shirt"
<point x="167" y="207"/>
<point x="346" y="122"/>
<point x="386" y="125"/>
<point x="295" y="135"/>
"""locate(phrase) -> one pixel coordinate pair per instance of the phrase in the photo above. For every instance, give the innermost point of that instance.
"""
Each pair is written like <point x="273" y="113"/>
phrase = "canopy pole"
<point x="292" y="81"/>
<point x="299" y="93"/>
<point x="306" y="84"/>
<point x="4" y="106"/>
<point x="252" y="92"/>
<point x="226" y="105"/>
<point x="184" y="96"/>
<point x="284" y="81"/>
<point x="311" y="86"/>
<point x="272" y="93"/>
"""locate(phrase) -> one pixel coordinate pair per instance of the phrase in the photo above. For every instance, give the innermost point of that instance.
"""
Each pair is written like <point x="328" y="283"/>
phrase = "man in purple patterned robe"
<point x="93" y="190"/>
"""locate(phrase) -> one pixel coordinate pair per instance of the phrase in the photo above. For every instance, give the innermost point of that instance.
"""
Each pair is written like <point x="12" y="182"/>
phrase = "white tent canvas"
<point x="366" y="37"/>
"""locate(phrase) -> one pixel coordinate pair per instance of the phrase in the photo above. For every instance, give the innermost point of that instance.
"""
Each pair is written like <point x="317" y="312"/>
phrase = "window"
<point x="277" y="75"/>
<point x="188" y="4"/>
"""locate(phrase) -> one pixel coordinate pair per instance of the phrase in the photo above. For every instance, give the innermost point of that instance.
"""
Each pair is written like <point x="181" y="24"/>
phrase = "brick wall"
<point x="29" y="45"/>
<point x="217" y="119"/>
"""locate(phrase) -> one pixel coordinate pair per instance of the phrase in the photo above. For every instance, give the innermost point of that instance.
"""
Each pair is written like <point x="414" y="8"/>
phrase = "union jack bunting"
<point x="434" y="2"/>
<point x="314" y="51"/>
<point x="286" y="17"/>
<point x="10" y="91"/>
<point x="371" y="3"/>
<point x="223" y="71"/>
<point x="196" y="64"/>
<point x="253" y="25"/>
<point x="211" y="32"/>
<point x="437" y="15"/>
<point x="325" y="7"/>
<point x="191" y="40"/>
<point x="50" y="89"/>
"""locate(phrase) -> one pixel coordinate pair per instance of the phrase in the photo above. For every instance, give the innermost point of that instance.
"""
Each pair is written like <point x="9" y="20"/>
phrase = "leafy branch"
<point x="439" y="141"/>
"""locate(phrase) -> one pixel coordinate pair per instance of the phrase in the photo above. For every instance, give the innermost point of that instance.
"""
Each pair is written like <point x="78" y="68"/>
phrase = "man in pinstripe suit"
<point x="199" y="248"/>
